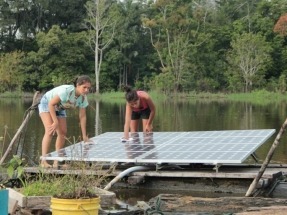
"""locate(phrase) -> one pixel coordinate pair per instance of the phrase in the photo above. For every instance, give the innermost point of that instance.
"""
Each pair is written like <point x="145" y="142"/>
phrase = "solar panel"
<point x="210" y="147"/>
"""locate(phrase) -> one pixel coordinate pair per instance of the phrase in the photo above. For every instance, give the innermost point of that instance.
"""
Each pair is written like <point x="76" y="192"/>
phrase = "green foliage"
<point x="78" y="184"/>
<point x="282" y="83"/>
<point x="11" y="76"/>
<point x="15" y="169"/>
<point x="60" y="58"/>
<point x="258" y="96"/>
<point x="249" y="57"/>
<point x="45" y="43"/>
<point x="164" y="82"/>
<point x="41" y="186"/>
<point x="113" y="97"/>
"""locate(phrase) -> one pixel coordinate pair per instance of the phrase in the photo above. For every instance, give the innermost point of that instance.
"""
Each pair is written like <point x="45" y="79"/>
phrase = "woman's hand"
<point x="148" y="128"/>
<point x="53" y="128"/>
<point x="85" y="139"/>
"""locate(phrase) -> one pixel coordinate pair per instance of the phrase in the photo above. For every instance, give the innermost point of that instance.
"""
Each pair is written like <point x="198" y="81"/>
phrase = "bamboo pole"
<point x="23" y="125"/>
<point x="267" y="160"/>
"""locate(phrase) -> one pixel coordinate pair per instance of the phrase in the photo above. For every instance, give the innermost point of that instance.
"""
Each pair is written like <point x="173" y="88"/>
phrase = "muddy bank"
<point x="178" y="204"/>
<point x="201" y="187"/>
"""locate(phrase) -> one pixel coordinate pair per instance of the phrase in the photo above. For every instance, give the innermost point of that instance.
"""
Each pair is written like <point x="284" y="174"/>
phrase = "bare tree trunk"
<point x="98" y="23"/>
<point x="267" y="160"/>
<point x="98" y="124"/>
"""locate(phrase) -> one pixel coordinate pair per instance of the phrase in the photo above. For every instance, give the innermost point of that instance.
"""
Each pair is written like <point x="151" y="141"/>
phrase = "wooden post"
<point x="24" y="123"/>
<point x="267" y="160"/>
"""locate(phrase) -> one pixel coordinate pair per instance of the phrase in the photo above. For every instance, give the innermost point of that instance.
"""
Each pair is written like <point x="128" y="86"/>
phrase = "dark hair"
<point x="131" y="95"/>
<point x="82" y="79"/>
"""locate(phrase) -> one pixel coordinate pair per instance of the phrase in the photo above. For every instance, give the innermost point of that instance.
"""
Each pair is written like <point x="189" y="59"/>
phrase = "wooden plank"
<point x="38" y="202"/>
<point x="280" y="191"/>
<point x="202" y="174"/>
<point x="20" y="198"/>
<point x="43" y="202"/>
<point x="12" y="207"/>
<point x="107" y="198"/>
<point x="224" y="172"/>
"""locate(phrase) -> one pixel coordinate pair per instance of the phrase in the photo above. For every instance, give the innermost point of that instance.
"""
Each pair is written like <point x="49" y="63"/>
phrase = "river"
<point x="197" y="115"/>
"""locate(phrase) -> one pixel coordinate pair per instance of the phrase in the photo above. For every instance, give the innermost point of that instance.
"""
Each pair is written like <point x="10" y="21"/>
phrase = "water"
<point x="170" y="116"/>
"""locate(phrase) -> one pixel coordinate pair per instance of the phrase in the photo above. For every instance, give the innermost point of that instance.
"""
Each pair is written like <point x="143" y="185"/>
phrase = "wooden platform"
<point x="225" y="172"/>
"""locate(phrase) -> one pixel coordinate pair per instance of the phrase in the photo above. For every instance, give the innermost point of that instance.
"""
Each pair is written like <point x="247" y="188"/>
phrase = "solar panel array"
<point x="211" y="147"/>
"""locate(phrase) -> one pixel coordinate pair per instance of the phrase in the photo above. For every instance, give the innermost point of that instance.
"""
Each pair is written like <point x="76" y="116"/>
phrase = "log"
<point x="267" y="160"/>
<point x="175" y="203"/>
<point x="23" y="125"/>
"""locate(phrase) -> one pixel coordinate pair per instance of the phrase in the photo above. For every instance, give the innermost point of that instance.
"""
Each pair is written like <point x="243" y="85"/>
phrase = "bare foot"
<point x="45" y="165"/>
<point x="55" y="164"/>
<point x="58" y="165"/>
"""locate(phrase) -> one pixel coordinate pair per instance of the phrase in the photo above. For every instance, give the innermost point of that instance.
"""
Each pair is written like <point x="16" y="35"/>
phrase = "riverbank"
<point x="259" y="96"/>
<point x="178" y="204"/>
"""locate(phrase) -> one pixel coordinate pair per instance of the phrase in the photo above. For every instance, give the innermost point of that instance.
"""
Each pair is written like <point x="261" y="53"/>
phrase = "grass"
<point x="15" y="94"/>
<point x="258" y="96"/>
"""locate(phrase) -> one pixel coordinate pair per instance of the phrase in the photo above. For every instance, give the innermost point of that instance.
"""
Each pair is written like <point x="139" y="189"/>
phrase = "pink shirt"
<point x="143" y="103"/>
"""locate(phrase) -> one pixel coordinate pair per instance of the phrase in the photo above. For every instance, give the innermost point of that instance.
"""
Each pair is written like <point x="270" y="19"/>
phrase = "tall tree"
<point x="249" y="57"/>
<point x="174" y="33"/>
<point x="101" y="22"/>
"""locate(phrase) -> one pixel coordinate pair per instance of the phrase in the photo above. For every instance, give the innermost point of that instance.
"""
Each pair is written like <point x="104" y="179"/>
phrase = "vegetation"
<point x="79" y="183"/>
<point x="166" y="46"/>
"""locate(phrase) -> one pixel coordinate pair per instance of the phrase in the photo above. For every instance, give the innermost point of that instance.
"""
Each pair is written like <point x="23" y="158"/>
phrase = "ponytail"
<point x="131" y="95"/>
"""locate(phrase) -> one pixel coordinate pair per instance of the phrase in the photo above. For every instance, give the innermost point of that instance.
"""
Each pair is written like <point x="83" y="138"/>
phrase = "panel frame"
<point x="108" y="147"/>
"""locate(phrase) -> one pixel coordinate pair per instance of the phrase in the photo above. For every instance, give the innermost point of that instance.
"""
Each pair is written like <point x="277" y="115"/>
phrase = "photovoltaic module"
<point x="211" y="147"/>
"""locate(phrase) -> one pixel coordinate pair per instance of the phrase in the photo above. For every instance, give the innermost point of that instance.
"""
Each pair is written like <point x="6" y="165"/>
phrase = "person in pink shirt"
<point x="139" y="106"/>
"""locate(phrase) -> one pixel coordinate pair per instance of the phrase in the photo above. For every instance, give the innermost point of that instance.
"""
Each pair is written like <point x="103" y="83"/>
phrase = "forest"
<point x="168" y="46"/>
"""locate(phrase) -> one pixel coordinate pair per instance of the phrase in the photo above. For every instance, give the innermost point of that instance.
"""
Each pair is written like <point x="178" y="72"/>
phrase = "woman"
<point x="52" y="110"/>
<point x="139" y="106"/>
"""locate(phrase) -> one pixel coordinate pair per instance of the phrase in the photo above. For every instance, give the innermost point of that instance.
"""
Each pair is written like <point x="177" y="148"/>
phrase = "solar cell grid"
<point x="224" y="147"/>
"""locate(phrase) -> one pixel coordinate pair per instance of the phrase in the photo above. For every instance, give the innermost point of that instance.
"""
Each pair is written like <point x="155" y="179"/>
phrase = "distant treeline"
<point x="163" y="45"/>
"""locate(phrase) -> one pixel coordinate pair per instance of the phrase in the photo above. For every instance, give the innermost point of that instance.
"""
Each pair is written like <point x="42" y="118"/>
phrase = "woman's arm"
<point x="127" y="121"/>
<point x="152" y="108"/>
<point x="83" y="123"/>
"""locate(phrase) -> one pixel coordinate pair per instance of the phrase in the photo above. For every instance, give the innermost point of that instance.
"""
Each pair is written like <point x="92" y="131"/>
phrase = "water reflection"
<point x="137" y="147"/>
<point x="171" y="116"/>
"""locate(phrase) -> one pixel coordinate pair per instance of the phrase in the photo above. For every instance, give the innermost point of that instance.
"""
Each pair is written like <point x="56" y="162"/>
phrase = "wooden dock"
<point x="225" y="172"/>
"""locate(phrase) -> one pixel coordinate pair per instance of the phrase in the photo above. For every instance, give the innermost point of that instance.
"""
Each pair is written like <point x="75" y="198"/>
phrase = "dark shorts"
<point x="143" y="114"/>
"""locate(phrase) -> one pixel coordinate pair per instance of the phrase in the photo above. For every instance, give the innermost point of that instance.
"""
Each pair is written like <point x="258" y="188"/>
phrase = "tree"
<point x="281" y="25"/>
<point x="101" y="23"/>
<point x="61" y="57"/>
<point x="174" y="33"/>
<point x="132" y="44"/>
<point x="11" y="76"/>
<point x="249" y="58"/>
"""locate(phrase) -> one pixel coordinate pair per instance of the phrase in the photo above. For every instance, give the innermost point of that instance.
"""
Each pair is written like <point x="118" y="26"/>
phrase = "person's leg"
<point x="134" y="125"/>
<point x="144" y="122"/>
<point x="47" y="121"/>
<point x="61" y="135"/>
<point x="145" y="116"/>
